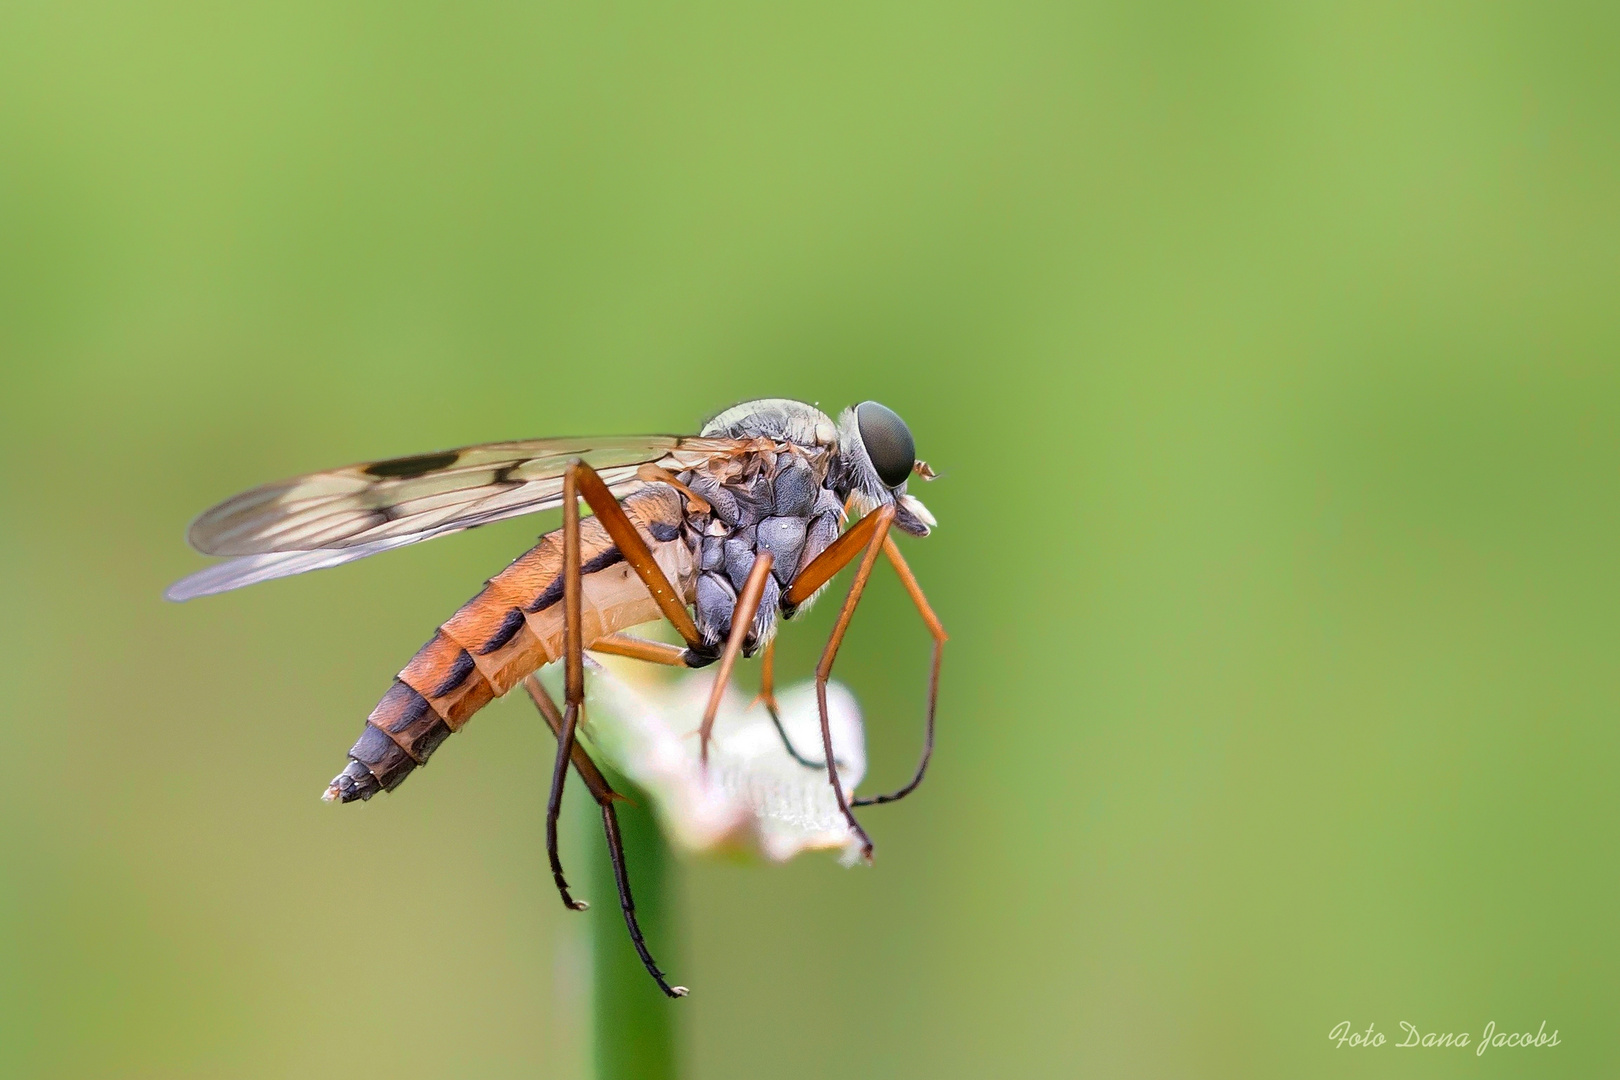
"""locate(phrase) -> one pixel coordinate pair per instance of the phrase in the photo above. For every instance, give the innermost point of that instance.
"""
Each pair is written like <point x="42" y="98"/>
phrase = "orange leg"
<point x="582" y="762"/>
<point x="767" y="697"/>
<point x="573" y="679"/>
<point x="767" y="677"/>
<point x="633" y="548"/>
<point x="742" y="620"/>
<point x="654" y="652"/>
<point x="656" y="475"/>
<point x="936" y="629"/>
<point x="839" y="554"/>
<point x="866" y="539"/>
<point x="605" y="797"/>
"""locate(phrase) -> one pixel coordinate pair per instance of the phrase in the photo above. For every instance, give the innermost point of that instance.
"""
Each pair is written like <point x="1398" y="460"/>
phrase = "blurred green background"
<point x="1268" y="355"/>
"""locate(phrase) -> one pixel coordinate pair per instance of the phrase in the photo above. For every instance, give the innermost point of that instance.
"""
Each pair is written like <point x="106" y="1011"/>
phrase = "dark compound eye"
<point x="888" y="442"/>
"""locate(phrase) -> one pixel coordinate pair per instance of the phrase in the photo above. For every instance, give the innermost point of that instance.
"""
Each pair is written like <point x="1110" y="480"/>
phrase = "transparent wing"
<point x="329" y="518"/>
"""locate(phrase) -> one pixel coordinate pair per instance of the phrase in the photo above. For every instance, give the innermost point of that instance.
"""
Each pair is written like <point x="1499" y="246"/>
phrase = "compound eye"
<point x="888" y="442"/>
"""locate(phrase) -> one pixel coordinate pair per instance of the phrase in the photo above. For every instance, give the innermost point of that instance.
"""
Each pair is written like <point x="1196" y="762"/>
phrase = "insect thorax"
<point x="777" y="500"/>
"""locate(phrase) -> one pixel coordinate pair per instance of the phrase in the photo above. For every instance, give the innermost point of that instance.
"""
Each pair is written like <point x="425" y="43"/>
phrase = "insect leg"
<point x="634" y="549"/>
<point x="839" y="554"/>
<point x="936" y="629"/>
<point x="653" y="652"/>
<point x="867" y="537"/>
<point x="621" y="878"/>
<point x="656" y="652"/>
<point x="767" y="697"/>
<point x="580" y="480"/>
<point x="657" y="475"/>
<point x="742" y="619"/>
<point x="605" y="796"/>
<point x="573" y="679"/>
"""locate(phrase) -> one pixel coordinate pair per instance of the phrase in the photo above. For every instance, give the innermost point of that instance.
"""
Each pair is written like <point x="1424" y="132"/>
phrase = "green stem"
<point x="633" y="1023"/>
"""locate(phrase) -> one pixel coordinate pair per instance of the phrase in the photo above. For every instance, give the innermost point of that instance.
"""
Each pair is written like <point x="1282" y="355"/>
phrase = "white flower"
<point x="643" y="723"/>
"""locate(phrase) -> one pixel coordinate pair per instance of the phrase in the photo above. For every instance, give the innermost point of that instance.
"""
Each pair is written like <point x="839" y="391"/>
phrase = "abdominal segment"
<point x="510" y="629"/>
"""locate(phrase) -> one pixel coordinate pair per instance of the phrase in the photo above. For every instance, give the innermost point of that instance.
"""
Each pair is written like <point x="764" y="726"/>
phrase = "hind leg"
<point x="605" y="797"/>
<point x="581" y="481"/>
<point x="573" y="680"/>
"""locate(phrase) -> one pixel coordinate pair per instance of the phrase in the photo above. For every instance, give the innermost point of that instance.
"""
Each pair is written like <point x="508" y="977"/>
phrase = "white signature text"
<point x="1491" y="1037"/>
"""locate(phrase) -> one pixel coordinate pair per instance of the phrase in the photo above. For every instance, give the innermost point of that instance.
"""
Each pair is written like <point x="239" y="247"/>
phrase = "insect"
<point x="720" y="533"/>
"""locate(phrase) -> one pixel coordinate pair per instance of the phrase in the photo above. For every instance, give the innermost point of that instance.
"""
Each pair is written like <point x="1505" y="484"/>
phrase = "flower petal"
<point x="753" y="795"/>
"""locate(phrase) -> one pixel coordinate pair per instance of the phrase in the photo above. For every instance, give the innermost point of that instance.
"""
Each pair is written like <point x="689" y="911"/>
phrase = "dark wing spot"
<point x="407" y="467"/>
<point x="503" y="634"/>
<point x="461" y="669"/>
<point x="664" y="532"/>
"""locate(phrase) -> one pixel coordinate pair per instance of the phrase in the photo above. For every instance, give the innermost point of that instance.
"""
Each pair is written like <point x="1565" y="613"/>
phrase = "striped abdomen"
<point x="511" y="628"/>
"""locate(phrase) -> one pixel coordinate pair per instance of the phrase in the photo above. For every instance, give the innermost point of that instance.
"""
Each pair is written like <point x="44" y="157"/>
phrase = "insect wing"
<point x="328" y="518"/>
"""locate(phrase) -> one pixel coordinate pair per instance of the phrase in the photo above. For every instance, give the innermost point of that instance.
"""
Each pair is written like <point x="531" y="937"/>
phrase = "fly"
<point x="721" y="534"/>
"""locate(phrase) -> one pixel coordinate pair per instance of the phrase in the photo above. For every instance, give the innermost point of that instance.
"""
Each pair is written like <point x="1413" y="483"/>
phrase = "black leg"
<point x="605" y="797"/>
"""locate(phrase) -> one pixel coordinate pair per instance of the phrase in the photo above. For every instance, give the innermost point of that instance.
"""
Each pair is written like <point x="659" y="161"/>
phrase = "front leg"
<point x="937" y="630"/>
<point x="866" y="539"/>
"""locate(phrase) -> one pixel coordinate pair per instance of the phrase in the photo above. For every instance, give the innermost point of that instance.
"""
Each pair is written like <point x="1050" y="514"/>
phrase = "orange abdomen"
<point x="510" y="629"/>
